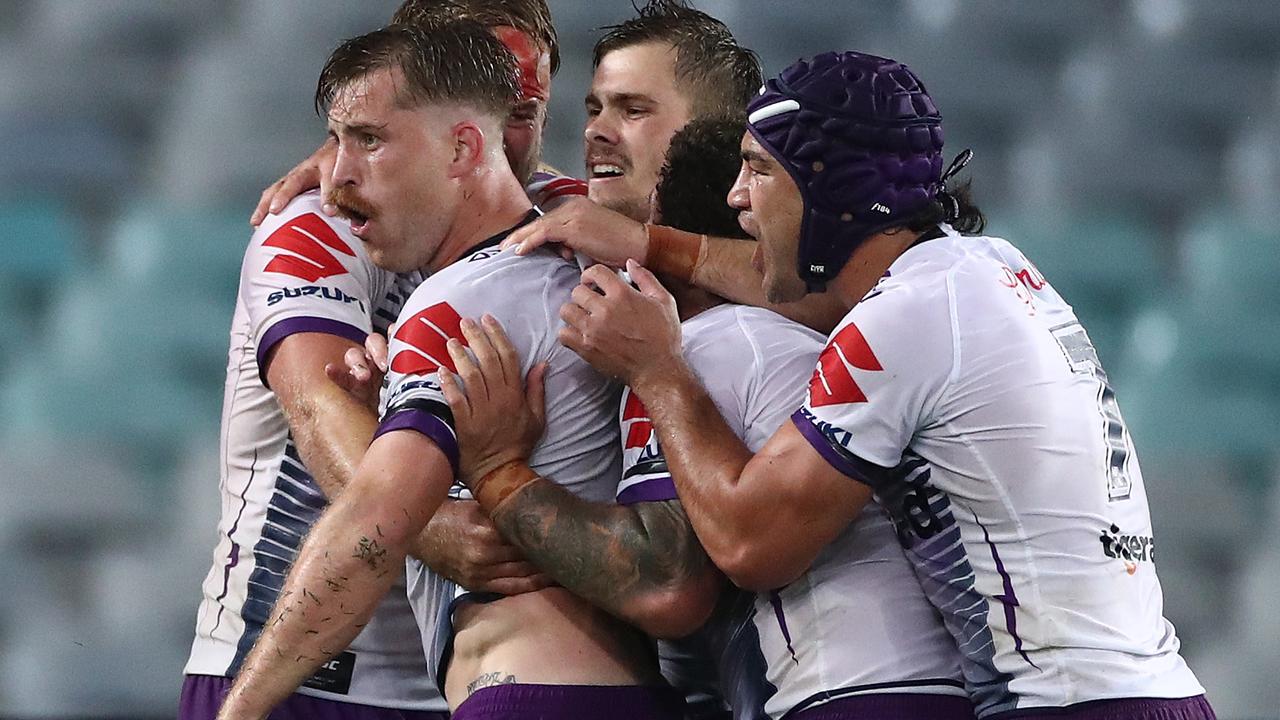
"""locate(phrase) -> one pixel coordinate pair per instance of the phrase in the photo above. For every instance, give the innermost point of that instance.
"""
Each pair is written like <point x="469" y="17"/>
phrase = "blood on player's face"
<point x="633" y="109"/>
<point x="522" y="134"/>
<point x="770" y="210"/>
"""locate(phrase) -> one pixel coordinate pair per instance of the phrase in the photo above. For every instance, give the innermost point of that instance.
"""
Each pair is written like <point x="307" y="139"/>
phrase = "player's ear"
<point x="468" y="149"/>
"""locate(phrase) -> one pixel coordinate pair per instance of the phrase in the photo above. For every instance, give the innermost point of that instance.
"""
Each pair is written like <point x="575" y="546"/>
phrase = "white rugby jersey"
<point x="856" y="622"/>
<point x="965" y="392"/>
<point x="579" y="447"/>
<point x="302" y="272"/>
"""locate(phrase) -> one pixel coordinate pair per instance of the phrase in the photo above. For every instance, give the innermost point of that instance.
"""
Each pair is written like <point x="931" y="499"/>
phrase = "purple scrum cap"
<point x="862" y="139"/>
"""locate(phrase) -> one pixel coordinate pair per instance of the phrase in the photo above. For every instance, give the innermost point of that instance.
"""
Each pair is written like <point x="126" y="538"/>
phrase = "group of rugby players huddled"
<point x="761" y="427"/>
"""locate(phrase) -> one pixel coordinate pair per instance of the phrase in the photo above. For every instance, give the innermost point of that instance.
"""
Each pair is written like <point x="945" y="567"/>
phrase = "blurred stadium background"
<point x="1130" y="147"/>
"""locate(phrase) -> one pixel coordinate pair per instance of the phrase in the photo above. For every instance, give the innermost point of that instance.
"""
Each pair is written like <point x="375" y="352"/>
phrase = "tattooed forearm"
<point x="487" y="679"/>
<point x="612" y="555"/>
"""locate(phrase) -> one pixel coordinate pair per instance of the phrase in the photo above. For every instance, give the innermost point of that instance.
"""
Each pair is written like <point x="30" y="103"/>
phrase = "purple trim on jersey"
<point x="202" y="695"/>
<point x="653" y="490"/>
<point x="1191" y="708"/>
<point x="618" y="702"/>
<point x="290" y="326"/>
<point x="233" y="557"/>
<point x="776" y="601"/>
<point x="845" y="462"/>
<point x="1008" y="599"/>
<point x="437" y="430"/>
<point x="890" y="706"/>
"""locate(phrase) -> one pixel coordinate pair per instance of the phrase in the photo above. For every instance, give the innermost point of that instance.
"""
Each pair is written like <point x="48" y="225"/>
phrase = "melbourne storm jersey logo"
<point x="832" y="383"/>
<point x="427" y="334"/>
<point x="310" y="240"/>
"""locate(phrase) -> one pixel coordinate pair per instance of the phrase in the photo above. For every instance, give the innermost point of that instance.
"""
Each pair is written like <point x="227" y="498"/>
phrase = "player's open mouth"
<point x="604" y="171"/>
<point x="359" y="221"/>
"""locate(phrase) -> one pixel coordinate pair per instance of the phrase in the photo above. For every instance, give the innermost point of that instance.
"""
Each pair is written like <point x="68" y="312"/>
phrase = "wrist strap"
<point x="501" y="483"/>
<point x="674" y="252"/>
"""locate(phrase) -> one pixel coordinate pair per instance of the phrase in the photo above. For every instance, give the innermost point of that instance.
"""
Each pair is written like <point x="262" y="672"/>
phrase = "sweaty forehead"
<point x="366" y="98"/>
<point x="752" y="149"/>
<point x="646" y="69"/>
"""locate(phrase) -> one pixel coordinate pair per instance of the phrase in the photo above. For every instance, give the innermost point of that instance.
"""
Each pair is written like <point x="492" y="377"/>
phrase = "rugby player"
<point x="787" y="652"/>
<point x="424" y="182"/>
<point x="960" y="389"/>
<point x="524" y="26"/>
<point x="290" y="440"/>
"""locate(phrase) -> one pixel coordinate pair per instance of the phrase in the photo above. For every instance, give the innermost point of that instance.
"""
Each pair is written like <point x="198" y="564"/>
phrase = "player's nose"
<point x="600" y="130"/>
<point x="345" y="167"/>
<point x="738" y="197"/>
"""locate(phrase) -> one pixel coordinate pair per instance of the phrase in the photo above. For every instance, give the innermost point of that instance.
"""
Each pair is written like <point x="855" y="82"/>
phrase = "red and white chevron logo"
<point x="832" y="383"/>
<point x="426" y="335"/>
<point x="307" y="236"/>
<point x="641" y="429"/>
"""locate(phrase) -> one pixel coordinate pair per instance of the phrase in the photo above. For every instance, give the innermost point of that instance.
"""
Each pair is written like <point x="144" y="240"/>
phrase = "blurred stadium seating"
<point x="1130" y="147"/>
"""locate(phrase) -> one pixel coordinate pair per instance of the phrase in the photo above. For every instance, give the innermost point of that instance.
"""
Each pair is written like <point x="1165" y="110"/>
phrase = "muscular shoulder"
<point x="302" y="244"/>
<point x="732" y="335"/>
<point x="512" y="288"/>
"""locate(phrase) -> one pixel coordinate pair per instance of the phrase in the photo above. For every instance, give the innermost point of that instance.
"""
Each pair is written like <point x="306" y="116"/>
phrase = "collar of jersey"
<point x="533" y="214"/>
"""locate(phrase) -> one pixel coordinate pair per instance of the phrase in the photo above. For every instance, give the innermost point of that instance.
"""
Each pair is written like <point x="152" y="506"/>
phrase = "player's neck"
<point x="494" y="202"/>
<point x="869" y="262"/>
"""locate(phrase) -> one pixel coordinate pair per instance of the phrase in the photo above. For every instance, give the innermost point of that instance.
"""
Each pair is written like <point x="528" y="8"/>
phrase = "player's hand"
<point x="623" y="332"/>
<point x="360" y="372"/>
<point x="497" y="419"/>
<point x="462" y="544"/>
<point x="582" y="225"/>
<point x="313" y="172"/>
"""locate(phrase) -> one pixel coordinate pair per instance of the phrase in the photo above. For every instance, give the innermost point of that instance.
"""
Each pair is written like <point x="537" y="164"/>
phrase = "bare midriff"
<point x="549" y="637"/>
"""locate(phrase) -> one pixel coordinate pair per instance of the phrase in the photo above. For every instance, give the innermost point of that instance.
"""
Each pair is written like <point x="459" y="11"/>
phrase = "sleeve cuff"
<point x="656" y="489"/>
<point x="436" y="429"/>
<point x="290" y="326"/>
<point x="842" y="460"/>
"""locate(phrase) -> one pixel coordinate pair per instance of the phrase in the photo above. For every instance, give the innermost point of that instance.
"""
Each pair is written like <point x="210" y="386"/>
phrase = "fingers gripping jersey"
<point x="578" y="449"/>
<point x="301" y="273"/>
<point x="856" y="622"/>
<point x="963" y="390"/>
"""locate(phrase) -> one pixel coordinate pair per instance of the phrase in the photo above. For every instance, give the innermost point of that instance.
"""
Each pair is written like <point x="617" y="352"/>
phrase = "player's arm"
<point x="330" y="426"/>
<point x="350" y="559"/>
<point x="761" y="518"/>
<point x="719" y="265"/>
<point x="640" y="562"/>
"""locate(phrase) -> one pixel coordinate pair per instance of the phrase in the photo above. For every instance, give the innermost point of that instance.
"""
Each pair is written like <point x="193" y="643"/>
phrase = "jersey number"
<point x="1083" y="359"/>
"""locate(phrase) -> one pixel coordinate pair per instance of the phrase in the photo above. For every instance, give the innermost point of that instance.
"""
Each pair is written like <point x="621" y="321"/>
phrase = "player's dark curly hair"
<point x="954" y="206"/>
<point x="458" y="61"/>
<point x="531" y="17"/>
<point x="702" y="163"/>
<point x="717" y="74"/>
